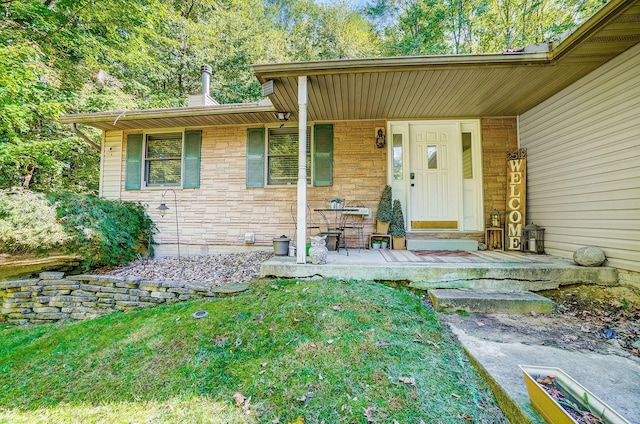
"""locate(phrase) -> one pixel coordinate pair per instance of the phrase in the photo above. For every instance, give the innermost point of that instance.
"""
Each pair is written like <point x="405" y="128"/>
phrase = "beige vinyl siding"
<point x="111" y="165"/>
<point x="583" y="147"/>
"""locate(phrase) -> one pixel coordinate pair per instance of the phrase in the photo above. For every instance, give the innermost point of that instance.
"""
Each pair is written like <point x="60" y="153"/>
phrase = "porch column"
<point x="301" y="234"/>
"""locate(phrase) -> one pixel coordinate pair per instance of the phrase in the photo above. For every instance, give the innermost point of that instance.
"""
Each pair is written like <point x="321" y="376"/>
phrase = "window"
<point x="467" y="159"/>
<point x="163" y="160"/>
<point x="282" y="153"/>
<point x="397" y="157"/>
<point x="272" y="156"/>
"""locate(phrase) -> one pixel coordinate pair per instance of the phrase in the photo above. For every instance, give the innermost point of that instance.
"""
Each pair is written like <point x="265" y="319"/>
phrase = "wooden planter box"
<point x="551" y="410"/>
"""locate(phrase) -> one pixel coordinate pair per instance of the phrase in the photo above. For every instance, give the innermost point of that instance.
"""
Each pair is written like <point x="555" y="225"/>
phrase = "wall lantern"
<point x="532" y="239"/>
<point x="380" y="138"/>
<point x="495" y="218"/>
<point x="282" y="116"/>
<point x="163" y="208"/>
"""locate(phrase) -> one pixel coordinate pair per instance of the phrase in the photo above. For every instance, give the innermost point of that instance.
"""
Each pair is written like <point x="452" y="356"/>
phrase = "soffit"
<point x="454" y="86"/>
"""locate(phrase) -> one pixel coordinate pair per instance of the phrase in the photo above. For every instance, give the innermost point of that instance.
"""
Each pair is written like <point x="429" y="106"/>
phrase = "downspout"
<point x="83" y="136"/>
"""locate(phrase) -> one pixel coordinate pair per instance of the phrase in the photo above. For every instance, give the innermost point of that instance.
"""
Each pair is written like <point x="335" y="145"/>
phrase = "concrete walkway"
<point x="489" y="269"/>
<point x="612" y="378"/>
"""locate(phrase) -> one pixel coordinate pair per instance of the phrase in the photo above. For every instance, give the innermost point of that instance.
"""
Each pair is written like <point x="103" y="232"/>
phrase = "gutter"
<point x="83" y="136"/>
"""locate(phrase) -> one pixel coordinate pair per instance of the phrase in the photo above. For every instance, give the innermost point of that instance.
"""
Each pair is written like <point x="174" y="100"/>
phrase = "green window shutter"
<point x="133" y="167"/>
<point x="323" y="155"/>
<point x="191" y="159"/>
<point x="255" y="157"/>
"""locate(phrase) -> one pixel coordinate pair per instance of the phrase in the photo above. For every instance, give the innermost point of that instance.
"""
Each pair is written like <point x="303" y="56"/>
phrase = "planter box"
<point x="551" y="410"/>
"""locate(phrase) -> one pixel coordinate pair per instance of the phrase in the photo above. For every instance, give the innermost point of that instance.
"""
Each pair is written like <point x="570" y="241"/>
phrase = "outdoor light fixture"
<point x="380" y="138"/>
<point x="282" y="116"/>
<point x="163" y="208"/>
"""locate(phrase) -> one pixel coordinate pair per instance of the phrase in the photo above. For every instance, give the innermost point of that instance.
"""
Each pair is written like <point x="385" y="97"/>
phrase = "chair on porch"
<point x="310" y="223"/>
<point x="353" y="222"/>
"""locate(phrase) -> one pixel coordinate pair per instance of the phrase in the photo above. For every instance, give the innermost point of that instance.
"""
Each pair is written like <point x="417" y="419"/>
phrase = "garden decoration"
<point x="397" y="229"/>
<point x="318" y="251"/>
<point x="383" y="215"/>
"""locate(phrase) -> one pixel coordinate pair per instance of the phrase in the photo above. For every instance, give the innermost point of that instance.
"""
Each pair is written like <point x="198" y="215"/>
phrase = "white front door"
<point x="435" y="178"/>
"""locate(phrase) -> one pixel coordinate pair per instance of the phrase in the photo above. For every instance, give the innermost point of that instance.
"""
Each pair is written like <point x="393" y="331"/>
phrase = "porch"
<point x="446" y="269"/>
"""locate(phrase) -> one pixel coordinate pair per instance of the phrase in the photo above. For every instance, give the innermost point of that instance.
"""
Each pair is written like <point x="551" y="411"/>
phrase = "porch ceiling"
<point x="504" y="84"/>
<point x="455" y="86"/>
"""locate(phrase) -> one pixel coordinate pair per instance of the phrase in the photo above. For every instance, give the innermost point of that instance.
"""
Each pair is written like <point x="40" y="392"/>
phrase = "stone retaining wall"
<point x="52" y="297"/>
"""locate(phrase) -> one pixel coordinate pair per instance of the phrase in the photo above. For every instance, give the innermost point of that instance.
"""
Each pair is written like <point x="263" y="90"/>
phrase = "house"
<point x="448" y="123"/>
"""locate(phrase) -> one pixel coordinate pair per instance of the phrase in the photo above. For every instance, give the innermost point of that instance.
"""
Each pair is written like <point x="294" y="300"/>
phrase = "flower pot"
<point x="376" y="245"/>
<point x="551" y="410"/>
<point x="398" y="243"/>
<point x="281" y="246"/>
<point x="384" y="245"/>
<point x="382" y="227"/>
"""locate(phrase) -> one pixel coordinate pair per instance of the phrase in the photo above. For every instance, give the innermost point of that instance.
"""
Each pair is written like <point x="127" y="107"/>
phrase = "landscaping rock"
<point x="589" y="256"/>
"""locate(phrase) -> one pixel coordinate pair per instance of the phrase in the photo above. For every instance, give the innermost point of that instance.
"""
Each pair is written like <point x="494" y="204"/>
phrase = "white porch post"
<point x="301" y="234"/>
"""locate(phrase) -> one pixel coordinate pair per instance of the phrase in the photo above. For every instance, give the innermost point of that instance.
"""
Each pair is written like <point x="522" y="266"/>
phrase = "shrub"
<point x="28" y="223"/>
<point x="104" y="232"/>
<point x="384" y="207"/>
<point x="396" y="229"/>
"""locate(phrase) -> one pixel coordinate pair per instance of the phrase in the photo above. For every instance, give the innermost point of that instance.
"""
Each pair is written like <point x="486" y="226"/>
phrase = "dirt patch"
<point x="591" y="318"/>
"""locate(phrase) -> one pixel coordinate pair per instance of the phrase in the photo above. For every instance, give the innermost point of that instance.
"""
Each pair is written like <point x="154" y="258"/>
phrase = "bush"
<point x="396" y="229"/>
<point x="384" y="207"/>
<point x="104" y="232"/>
<point x="28" y="223"/>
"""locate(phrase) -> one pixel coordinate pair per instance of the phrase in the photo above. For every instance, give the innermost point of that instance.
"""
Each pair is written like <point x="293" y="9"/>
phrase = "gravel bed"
<point x="213" y="270"/>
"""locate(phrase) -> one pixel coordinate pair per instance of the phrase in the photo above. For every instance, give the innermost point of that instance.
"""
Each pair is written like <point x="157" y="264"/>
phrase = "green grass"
<point x="338" y="352"/>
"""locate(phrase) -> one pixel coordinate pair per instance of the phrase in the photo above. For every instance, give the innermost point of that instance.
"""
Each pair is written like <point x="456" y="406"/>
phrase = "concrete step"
<point x="489" y="301"/>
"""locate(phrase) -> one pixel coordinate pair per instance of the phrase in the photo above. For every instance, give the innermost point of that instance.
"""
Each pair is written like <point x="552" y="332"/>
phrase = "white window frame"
<point x="310" y="134"/>
<point x="145" y="160"/>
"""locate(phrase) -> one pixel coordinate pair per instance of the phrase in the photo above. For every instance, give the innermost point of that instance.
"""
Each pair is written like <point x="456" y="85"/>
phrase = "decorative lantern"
<point x="532" y="239"/>
<point x="495" y="218"/>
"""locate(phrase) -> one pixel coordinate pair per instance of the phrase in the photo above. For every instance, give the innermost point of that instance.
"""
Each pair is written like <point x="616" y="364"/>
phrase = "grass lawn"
<point x="284" y="352"/>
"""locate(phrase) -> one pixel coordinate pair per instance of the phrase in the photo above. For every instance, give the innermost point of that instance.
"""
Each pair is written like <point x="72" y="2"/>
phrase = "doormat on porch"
<point x="425" y="255"/>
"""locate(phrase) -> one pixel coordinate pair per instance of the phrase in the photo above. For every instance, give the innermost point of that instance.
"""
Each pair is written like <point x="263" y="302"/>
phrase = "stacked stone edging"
<point x="52" y="297"/>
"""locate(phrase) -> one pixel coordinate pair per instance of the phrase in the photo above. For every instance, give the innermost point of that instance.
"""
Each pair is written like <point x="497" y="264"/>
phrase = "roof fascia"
<point x="388" y="64"/>
<point x="131" y="115"/>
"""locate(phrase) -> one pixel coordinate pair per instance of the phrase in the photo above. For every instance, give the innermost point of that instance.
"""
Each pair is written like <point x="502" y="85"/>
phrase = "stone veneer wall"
<point x="52" y="297"/>
<point x="222" y="210"/>
<point x="499" y="136"/>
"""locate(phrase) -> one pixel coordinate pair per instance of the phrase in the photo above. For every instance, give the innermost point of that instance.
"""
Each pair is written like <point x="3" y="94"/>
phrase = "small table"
<point x="494" y="238"/>
<point x="336" y="227"/>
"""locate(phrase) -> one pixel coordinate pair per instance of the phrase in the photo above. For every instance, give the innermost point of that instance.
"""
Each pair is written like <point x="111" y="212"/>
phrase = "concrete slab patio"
<point x="487" y="270"/>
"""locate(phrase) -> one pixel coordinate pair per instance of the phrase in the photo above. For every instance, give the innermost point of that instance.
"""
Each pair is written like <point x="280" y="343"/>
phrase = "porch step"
<point x="442" y="244"/>
<point x="489" y="301"/>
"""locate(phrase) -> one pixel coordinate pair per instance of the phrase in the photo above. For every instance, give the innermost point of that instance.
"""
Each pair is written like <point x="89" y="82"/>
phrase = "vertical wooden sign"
<point x="516" y="197"/>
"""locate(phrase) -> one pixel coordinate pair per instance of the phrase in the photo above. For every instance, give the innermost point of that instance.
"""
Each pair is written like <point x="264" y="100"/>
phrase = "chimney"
<point x="206" y="78"/>
<point x="203" y="98"/>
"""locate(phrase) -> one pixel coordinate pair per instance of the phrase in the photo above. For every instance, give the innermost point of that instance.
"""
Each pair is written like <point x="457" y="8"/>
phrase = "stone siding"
<point x="52" y="297"/>
<point x="222" y="210"/>
<point x="499" y="136"/>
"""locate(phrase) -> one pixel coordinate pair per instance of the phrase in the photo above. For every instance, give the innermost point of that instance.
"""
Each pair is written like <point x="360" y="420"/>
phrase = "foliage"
<point x="396" y="228"/>
<point x="385" y="206"/>
<point x="50" y="165"/>
<point x="28" y="223"/>
<point x="337" y="352"/>
<point x="104" y="232"/>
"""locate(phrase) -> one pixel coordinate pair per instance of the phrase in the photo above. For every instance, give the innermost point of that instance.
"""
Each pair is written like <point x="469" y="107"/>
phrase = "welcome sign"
<point x="516" y="196"/>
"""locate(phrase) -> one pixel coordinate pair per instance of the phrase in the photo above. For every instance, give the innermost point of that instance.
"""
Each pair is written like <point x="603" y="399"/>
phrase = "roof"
<point x="450" y="86"/>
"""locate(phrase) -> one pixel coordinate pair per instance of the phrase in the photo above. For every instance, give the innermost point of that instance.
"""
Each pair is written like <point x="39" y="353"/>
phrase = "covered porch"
<point x="446" y="269"/>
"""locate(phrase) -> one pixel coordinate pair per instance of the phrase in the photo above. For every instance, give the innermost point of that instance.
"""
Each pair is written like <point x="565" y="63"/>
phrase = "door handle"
<point x="413" y="185"/>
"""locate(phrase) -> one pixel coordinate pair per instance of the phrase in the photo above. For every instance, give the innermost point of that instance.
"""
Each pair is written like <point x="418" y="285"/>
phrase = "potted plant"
<point x="396" y="229"/>
<point x="336" y="202"/>
<point x="383" y="215"/>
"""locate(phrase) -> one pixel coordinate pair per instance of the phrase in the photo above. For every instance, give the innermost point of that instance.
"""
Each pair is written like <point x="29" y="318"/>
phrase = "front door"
<point x="435" y="177"/>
